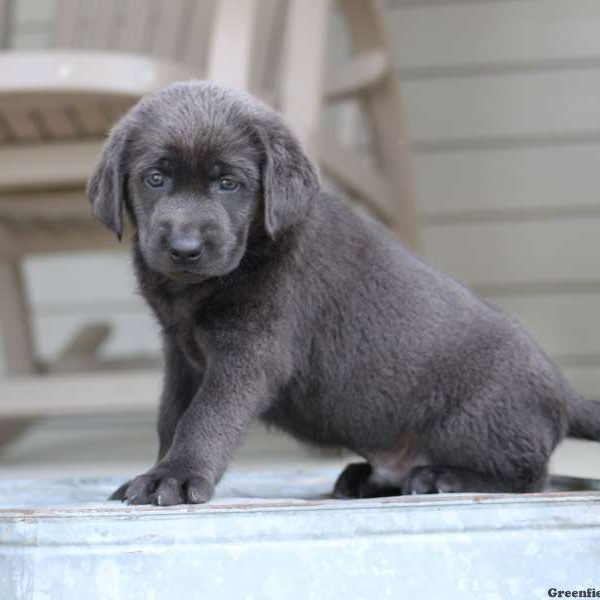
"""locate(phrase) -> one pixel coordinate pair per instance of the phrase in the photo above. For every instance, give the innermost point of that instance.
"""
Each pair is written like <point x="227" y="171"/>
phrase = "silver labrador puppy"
<point x="277" y="302"/>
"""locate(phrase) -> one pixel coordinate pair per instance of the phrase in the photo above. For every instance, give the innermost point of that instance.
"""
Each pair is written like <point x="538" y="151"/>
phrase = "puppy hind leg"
<point x="475" y="455"/>
<point x="438" y="479"/>
<point x="359" y="480"/>
<point x="384" y="473"/>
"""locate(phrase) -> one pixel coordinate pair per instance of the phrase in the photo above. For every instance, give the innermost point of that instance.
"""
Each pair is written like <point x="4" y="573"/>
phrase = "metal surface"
<point x="279" y="536"/>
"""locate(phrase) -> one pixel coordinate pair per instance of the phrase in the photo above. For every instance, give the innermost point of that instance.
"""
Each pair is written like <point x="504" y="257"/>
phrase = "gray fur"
<point x="314" y="319"/>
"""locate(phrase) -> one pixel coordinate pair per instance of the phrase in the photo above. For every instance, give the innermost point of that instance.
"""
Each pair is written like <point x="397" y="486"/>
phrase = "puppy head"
<point x="197" y="166"/>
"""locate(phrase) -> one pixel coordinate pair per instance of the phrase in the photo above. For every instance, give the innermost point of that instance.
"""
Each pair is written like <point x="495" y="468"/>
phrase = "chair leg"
<point x="303" y="66"/>
<point x="384" y="107"/>
<point x="11" y="430"/>
<point x="14" y="321"/>
<point x="15" y="335"/>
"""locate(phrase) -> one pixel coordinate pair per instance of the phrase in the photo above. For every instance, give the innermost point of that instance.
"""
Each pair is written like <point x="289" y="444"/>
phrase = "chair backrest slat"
<point x="170" y="20"/>
<point x="175" y="29"/>
<point x="6" y="7"/>
<point x="268" y="45"/>
<point x="67" y="23"/>
<point x="136" y="26"/>
<point x="196" y="42"/>
<point x="87" y="24"/>
<point x="103" y="30"/>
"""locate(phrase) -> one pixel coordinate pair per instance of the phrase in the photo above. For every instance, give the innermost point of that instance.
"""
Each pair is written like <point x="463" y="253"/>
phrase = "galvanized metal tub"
<point x="279" y="536"/>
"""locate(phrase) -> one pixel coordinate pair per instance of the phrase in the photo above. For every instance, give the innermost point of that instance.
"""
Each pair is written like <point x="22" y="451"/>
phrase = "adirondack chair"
<point x="56" y="105"/>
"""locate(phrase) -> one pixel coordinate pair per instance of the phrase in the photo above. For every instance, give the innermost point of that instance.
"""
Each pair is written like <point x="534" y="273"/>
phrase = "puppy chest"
<point x="187" y="338"/>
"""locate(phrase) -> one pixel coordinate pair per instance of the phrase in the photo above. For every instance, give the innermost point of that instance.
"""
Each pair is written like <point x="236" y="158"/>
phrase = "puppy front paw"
<point x="119" y="493"/>
<point x="165" y="488"/>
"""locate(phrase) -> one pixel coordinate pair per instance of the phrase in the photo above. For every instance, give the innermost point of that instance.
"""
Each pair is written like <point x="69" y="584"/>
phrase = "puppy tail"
<point x="584" y="419"/>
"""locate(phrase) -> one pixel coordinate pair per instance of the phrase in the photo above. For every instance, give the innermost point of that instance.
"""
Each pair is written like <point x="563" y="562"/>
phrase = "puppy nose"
<point x="185" y="249"/>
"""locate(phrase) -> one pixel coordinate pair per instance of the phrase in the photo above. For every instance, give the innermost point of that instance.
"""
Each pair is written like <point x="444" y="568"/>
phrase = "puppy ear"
<point x="106" y="187"/>
<point x="289" y="178"/>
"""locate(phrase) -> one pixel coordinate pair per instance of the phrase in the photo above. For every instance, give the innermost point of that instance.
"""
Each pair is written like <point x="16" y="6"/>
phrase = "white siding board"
<point x="487" y="33"/>
<point x="80" y="278"/>
<point x="586" y="380"/>
<point x="549" y="103"/>
<point x="133" y="333"/>
<point x="560" y="323"/>
<point x="526" y="252"/>
<point x="509" y="179"/>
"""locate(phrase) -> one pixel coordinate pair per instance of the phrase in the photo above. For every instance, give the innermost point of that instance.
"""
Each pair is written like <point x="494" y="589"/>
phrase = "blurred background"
<point x="476" y="121"/>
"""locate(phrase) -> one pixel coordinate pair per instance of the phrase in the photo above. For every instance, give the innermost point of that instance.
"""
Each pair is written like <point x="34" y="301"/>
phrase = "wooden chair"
<point x="56" y="106"/>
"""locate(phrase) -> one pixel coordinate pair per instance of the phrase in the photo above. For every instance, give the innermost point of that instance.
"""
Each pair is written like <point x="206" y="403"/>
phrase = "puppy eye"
<point x="155" y="179"/>
<point x="227" y="184"/>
